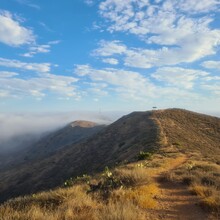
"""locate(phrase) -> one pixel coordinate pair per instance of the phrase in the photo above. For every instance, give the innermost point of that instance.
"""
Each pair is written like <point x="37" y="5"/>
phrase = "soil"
<point x="176" y="202"/>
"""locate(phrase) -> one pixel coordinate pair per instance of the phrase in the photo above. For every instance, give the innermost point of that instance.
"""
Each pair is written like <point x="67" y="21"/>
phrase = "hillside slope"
<point x="120" y="141"/>
<point x="72" y="133"/>
<point x="191" y="131"/>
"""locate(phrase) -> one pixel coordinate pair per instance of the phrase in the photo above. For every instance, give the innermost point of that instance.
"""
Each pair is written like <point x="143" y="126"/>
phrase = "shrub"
<point x="144" y="155"/>
<point x="79" y="179"/>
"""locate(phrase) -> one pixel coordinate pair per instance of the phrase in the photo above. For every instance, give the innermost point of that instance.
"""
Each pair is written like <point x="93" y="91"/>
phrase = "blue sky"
<point x="123" y="55"/>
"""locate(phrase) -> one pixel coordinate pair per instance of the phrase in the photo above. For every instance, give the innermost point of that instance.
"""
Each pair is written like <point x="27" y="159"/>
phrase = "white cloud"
<point x="12" y="32"/>
<point x="194" y="49"/>
<point x="54" y="42"/>
<point x="7" y="74"/>
<point x="141" y="58"/>
<point x="179" y="77"/>
<point x="29" y="4"/>
<point x="39" y="86"/>
<point x="211" y="78"/>
<point x="89" y="2"/>
<point x="133" y="86"/>
<point x="198" y="6"/>
<point x="214" y="88"/>
<point x="128" y="84"/>
<point x="46" y="27"/>
<point x="37" y="49"/>
<point x="179" y="36"/>
<point x="109" y="48"/>
<point x="211" y="64"/>
<point x="97" y="89"/>
<point x="111" y="61"/>
<point x="38" y="67"/>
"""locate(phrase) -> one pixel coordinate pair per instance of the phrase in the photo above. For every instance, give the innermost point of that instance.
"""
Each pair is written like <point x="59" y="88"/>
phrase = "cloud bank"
<point x="17" y="128"/>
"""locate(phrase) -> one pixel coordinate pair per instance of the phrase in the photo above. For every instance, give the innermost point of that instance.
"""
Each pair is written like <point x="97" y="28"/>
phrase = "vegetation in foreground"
<point x="202" y="176"/>
<point x="131" y="191"/>
<point x="125" y="193"/>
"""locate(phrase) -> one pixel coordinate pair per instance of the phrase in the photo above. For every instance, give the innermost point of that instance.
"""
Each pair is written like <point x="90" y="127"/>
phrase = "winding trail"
<point x="175" y="201"/>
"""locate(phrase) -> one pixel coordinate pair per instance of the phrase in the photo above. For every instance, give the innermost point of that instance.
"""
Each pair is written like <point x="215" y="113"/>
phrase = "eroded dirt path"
<point x="175" y="201"/>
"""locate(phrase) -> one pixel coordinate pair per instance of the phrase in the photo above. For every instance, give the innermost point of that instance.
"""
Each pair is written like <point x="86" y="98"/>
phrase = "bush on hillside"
<point x="144" y="155"/>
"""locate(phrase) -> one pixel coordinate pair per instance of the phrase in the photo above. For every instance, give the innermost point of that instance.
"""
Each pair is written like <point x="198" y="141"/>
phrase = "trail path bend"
<point x="176" y="202"/>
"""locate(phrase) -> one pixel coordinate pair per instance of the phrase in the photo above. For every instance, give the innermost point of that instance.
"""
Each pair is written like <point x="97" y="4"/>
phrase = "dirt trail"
<point x="175" y="201"/>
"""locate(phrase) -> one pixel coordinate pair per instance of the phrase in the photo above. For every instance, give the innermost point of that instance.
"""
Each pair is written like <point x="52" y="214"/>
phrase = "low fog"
<point x="20" y="130"/>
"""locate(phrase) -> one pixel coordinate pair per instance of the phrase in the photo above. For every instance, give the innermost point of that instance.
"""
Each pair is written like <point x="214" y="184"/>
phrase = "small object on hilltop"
<point x="154" y="107"/>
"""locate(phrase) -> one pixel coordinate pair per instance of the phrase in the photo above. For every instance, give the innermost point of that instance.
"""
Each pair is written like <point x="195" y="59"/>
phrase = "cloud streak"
<point x="38" y="87"/>
<point x="38" y="67"/>
<point x="12" y="32"/>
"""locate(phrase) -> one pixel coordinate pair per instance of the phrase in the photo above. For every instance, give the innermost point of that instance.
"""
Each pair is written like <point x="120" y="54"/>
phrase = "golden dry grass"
<point x="118" y="210"/>
<point x="132" y="177"/>
<point x="75" y="203"/>
<point x="71" y="203"/>
<point x="142" y="196"/>
<point x="203" y="178"/>
<point x="131" y="201"/>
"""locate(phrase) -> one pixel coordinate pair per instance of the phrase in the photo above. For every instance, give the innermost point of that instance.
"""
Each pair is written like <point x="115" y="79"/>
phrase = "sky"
<point x="109" y="55"/>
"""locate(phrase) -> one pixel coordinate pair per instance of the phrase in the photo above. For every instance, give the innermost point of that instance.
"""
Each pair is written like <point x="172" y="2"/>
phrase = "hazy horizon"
<point x="15" y="127"/>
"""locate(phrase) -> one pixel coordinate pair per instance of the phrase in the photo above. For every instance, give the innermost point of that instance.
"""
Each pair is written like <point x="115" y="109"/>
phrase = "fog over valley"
<point x="18" y="130"/>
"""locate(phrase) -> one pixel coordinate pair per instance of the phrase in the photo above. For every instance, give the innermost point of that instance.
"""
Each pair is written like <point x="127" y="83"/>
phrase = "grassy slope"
<point x="118" y="142"/>
<point x="125" y="192"/>
<point x="137" y="196"/>
<point x="198" y="137"/>
<point x="191" y="132"/>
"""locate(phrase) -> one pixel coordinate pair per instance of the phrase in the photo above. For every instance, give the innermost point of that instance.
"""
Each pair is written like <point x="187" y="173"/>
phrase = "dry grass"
<point x="203" y="178"/>
<point x="120" y="211"/>
<point x="71" y="203"/>
<point x="132" y="177"/>
<point x="127" y="202"/>
<point x="142" y="196"/>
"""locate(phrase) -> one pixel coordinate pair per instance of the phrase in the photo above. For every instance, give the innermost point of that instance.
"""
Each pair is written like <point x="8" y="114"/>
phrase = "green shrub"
<point x="144" y="155"/>
<point x="79" y="179"/>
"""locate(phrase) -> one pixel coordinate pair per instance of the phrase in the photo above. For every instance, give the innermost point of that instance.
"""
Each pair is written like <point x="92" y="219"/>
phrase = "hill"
<point x="191" y="131"/>
<point x="49" y="144"/>
<point x="119" y="142"/>
<point x="73" y="133"/>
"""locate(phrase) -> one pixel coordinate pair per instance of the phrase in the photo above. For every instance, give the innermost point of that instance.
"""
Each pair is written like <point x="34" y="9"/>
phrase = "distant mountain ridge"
<point x="122" y="140"/>
<point x="72" y="133"/>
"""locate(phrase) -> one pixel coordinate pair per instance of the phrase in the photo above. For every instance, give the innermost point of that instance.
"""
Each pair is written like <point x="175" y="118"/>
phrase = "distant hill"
<point x="120" y="141"/>
<point x="72" y="133"/>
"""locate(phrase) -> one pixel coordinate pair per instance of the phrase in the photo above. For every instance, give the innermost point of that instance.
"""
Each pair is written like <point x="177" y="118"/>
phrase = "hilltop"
<point x="49" y="144"/>
<point x="163" y="136"/>
<point x="120" y="141"/>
